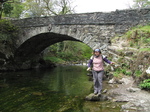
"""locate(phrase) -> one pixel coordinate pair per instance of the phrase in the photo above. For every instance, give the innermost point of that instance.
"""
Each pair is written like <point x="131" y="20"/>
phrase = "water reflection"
<point x="59" y="89"/>
<point x="71" y="80"/>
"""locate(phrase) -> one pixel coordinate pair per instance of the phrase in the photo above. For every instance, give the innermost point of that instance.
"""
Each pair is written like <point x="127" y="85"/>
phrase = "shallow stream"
<point x="61" y="89"/>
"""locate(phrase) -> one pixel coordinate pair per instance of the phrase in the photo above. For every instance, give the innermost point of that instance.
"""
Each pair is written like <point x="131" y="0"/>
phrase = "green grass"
<point x="116" y="74"/>
<point x="137" y="36"/>
<point x="145" y="49"/>
<point x="138" y="73"/>
<point x="146" y="28"/>
<point x="139" y="27"/>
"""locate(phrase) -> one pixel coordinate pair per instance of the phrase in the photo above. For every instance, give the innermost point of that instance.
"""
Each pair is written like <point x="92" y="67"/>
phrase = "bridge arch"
<point x="35" y="40"/>
<point x="36" y="44"/>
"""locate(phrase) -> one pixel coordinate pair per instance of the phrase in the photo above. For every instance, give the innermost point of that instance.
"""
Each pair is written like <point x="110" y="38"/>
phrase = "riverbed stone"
<point x="112" y="81"/>
<point x="136" y="106"/>
<point x="126" y="80"/>
<point x="131" y="89"/>
<point x="121" y="100"/>
<point x="93" y="97"/>
<point x="137" y="100"/>
<point x="148" y="70"/>
<point x="115" y="81"/>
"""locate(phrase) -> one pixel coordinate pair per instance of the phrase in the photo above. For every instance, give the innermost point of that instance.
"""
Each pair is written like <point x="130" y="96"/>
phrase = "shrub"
<point x="54" y="59"/>
<point x="128" y="73"/>
<point x="8" y="31"/>
<point x="138" y="73"/>
<point x="145" y="84"/>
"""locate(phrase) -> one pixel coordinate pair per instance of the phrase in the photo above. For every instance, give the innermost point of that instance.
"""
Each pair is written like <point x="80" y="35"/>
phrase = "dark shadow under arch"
<point x="36" y="44"/>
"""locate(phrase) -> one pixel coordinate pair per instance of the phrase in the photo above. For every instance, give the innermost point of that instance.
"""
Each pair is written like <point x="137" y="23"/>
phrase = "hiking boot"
<point x="99" y="94"/>
<point x="95" y="93"/>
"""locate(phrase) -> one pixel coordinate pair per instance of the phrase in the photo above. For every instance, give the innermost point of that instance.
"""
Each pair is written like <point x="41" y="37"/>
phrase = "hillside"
<point x="132" y="53"/>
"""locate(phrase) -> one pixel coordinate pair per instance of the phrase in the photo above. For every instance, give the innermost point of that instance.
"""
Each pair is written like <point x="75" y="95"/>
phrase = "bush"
<point x="138" y="73"/>
<point x="54" y="59"/>
<point x="145" y="84"/>
<point x="8" y="35"/>
<point x="7" y="27"/>
<point x="7" y="30"/>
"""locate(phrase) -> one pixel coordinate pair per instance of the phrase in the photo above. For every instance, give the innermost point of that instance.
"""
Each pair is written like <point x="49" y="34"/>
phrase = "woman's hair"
<point x="96" y="50"/>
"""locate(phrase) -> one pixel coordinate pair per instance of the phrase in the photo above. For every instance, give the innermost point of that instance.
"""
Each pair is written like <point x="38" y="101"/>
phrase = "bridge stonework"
<point x="94" y="29"/>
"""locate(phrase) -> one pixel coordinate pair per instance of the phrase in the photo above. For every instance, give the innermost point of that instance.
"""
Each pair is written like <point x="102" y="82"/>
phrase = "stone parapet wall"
<point x="98" y="18"/>
<point x="126" y="18"/>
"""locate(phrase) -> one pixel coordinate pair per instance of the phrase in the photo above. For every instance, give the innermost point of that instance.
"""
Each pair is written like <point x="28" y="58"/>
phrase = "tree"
<point x="72" y="51"/>
<point x="18" y="8"/>
<point x="138" y="4"/>
<point x="38" y="8"/>
<point x="4" y="7"/>
<point x="11" y="8"/>
<point x="64" y="7"/>
<point x="7" y="8"/>
<point x="33" y="8"/>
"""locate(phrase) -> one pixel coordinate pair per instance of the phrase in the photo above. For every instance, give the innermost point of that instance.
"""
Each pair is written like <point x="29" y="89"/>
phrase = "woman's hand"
<point x="88" y="69"/>
<point x="112" y="63"/>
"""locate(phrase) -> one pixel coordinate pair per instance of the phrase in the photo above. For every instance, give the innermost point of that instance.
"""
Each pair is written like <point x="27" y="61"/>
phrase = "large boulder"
<point x="93" y="97"/>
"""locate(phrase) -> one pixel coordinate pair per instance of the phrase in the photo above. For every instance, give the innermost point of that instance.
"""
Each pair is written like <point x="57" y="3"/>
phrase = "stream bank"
<point x="135" y="99"/>
<point x="124" y="94"/>
<point x="131" y="53"/>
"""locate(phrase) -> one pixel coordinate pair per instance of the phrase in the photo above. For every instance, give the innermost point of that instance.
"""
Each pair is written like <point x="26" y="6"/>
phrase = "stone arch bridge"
<point x="94" y="29"/>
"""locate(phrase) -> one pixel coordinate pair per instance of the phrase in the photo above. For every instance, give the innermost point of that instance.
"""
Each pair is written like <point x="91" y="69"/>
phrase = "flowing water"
<point x="61" y="89"/>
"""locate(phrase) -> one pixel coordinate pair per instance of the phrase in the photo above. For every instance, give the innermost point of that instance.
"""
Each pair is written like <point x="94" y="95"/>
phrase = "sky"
<point x="84" y="6"/>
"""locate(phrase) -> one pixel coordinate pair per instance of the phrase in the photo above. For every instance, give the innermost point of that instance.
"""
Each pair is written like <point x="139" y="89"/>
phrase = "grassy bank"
<point x="133" y="49"/>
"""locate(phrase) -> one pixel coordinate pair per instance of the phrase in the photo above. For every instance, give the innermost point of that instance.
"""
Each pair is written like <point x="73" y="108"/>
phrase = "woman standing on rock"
<point x="96" y="61"/>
